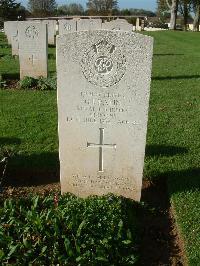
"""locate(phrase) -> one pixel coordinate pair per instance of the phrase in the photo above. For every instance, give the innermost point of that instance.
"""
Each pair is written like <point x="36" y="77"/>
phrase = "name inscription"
<point x="103" y="108"/>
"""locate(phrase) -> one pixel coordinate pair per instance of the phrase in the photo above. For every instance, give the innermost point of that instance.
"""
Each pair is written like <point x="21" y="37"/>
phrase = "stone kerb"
<point x="103" y="98"/>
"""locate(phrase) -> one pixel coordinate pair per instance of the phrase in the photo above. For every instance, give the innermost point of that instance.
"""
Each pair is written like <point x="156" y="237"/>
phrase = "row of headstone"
<point x="29" y="39"/>
<point x="103" y="98"/>
<point x="66" y="26"/>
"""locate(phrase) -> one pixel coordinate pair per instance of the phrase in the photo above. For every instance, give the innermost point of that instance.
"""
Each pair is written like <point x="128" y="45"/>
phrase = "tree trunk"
<point x="196" y="18"/>
<point x="185" y="15"/>
<point x="173" y="10"/>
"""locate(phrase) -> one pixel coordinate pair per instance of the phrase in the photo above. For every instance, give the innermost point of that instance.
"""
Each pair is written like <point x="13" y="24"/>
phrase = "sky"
<point x="145" y="4"/>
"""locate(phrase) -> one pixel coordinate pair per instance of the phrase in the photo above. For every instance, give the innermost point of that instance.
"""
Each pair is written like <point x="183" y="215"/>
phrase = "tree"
<point x="101" y="7"/>
<point x="184" y="9"/>
<point x="196" y="9"/>
<point x="42" y="8"/>
<point x="165" y="6"/>
<point x="9" y="9"/>
<point x="173" y="7"/>
<point x="137" y="12"/>
<point x="162" y="10"/>
<point x="71" y="10"/>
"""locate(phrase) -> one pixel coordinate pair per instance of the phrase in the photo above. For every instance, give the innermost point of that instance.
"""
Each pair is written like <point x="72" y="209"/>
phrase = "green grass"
<point x="174" y="129"/>
<point x="29" y="126"/>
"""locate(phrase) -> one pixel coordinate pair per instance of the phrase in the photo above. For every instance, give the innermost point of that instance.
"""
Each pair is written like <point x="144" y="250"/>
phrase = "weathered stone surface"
<point x="67" y="26"/>
<point x="138" y="27"/>
<point x="33" y="46"/>
<point x="89" y="24"/>
<point x="11" y="31"/>
<point x="14" y="37"/>
<point x="103" y="97"/>
<point x="118" y="24"/>
<point x="51" y="27"/>
<point x="7" y="30"/>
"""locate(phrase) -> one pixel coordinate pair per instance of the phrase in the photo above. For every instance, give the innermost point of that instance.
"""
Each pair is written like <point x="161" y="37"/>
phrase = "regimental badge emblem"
<point x="67" y="27"/>
<point x="104" y="64"/>
<point x="31" y="32"/>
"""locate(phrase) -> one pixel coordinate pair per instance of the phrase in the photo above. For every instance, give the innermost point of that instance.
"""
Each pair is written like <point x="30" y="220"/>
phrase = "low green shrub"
<point x="38" y="84"/>
<point x="66" y="230"/>
<point x="28" y="83"/>
<point x="46" y="84"/>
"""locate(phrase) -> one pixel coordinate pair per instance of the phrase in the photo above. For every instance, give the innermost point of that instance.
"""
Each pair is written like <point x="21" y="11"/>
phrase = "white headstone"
<point x="89" y="24"/>
<point x="51" y="27"/>
<point x="14" y="37"/>
<point x="7" y="30"/>
<point x="138" y="27"/>
<point x="33" y="53"/>
<point x="118" y="24"/>
<point x="67" y="26"/>
<point x="10" y="28"/>
<point x="103" y="99"/>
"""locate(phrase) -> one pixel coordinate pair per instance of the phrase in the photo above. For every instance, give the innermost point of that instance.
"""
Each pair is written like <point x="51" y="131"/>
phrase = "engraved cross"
<point x="101" y="146"/>
<point x="33" y="60"/>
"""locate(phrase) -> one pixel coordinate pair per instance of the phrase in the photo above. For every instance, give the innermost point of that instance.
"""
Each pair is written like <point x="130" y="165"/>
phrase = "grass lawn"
<point x="29" y="126"/>
<point x="174" y="129"/>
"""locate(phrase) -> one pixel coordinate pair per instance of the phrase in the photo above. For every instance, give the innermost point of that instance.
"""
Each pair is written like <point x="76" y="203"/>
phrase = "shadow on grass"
<point x="33" y="170"/>
<point x="177" y="77"/>
<point x="183" y="180"/>
<point x="9" y="141"/>
<point x="11" y="76"/>
<point x="163" y="150"/>
<point x="158" y="240"/>
<point x="51" y="45"/>
<point x="51" y="56"/>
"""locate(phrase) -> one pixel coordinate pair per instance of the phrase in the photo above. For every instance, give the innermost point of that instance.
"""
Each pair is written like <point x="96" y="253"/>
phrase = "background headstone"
<point x="33" y="49"/>
<point x="89" y="24"/>
<point x="14" y="37"/>
<point x="138" y="27"/>
<point x="118" y="24"/>
<point x="51" y="27"/>
<point x="6" y="30"/>
<point x="67" y="26"/>
<point x="103" y="99"/>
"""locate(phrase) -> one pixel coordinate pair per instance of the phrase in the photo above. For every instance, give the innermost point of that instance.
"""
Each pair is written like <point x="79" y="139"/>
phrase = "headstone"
<point x="142" y="24"/>
<point x="51" y="27"/>
<point x="118" y="24"/>
<point x="6" y="30"/>
<point x="89" y="24"/>
<point x="138" y="27"/>
<point x="14" y="37"/>
<point x="33" y="51"/>
<point x="67" y="26"/>
<point x="103" y="98"/>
